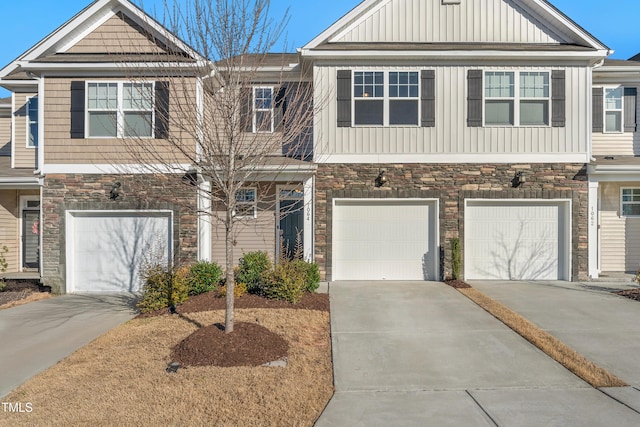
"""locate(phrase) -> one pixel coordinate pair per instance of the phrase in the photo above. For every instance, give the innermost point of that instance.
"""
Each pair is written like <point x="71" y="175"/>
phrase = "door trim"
<point x="24" y="200"/>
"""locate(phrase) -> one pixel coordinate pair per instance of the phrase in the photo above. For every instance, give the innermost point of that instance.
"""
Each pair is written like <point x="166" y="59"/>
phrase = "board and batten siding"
<point x="24" y="157"/>
<point x="617" y="144"/>
<point x="9" y="233"/>
<point x="619" y="245"/>
<point x="451" y="135"/>
<point x="60" y="148"/>
<point x="470" y="21"/>
<point x="116" y="35"/>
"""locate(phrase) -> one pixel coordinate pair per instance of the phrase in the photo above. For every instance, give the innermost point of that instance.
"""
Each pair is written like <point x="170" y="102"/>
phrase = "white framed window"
<point x="120" y="109"/>
<point x="517" y="98"/>
<point x="630" y="202"/>
<point x="32" y="122"/>
<point x="386" y="98"/>
<point x="613" y="109"/>
<point x="263" y="104"/>
<point x="246" y="203"/>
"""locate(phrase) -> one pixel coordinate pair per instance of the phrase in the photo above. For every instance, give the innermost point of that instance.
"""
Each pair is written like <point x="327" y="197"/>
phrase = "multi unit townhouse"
<point x="500" y="123"/>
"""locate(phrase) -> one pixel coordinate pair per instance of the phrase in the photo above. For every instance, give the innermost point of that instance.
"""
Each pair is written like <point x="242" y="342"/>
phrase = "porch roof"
<point x="16" y="177"/>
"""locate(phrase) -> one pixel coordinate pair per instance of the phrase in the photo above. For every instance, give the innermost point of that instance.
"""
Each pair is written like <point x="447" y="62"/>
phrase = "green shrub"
<point x="312" y="276"/>
<point x="3" y="260"/>
<point x="163" y="287"/>
<point x="286" y="281"/>
<point x="239" y="289"/>
<point x="204" y="277"/>
<point x="252" y="266"/>
<point x="456" y="258"/>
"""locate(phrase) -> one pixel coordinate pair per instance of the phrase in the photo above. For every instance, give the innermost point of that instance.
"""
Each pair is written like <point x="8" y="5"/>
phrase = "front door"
<point x="291" y="224"/>
<point x="30" y="239"/>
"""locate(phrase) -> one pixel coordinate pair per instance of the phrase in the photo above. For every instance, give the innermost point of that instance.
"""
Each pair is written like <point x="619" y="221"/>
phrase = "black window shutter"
<point x="344" y="98"/>
<point x="558" y="98"/>
<point x="246" y="109"/>
<point x="474" y="98"/>
<point x="162" y="110"/>
<point x="77" y="109"/>
<point x="596" y="95"/>
<point x="428" y="98"/>
<point x="630" y="95"/>
<point x="280" y="108"/>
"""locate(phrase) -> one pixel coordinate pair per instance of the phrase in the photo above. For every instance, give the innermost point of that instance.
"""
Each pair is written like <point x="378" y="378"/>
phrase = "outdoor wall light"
<point x="115" y="190"/>
<point x="519" y="178"/>
<point x="381" y="179"/>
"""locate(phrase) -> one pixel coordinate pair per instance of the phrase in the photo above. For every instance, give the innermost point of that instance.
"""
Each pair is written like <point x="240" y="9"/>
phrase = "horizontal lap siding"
<point x="617" y="144"/>
<point x="470" y="21"/>
<point x="9" y="233"/>
<point x="23" y="157"/>
<point x="451" y="134"/>
<point x="620" y="249"/>
<point x="5" y="134"/>
<point x="60" y="148"/>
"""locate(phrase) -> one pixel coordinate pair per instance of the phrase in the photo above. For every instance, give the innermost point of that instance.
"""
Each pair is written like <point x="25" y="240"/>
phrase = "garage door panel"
<point x="109" y="249"/>
<point x="516" y="240"/>
<point x="377" y="240"/>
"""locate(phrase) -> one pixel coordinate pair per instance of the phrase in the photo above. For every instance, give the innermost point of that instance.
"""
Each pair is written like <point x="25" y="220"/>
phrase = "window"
<point x="263" y="109"/>
<point x="613" y="109"/>
<point x="386" y="98"/>
<point x="516" y="99"/>
<point x="245" y="203"/>
<point x="118" y="109"/>
<point x="631" y="202"/>
<point x="32" y="122"/>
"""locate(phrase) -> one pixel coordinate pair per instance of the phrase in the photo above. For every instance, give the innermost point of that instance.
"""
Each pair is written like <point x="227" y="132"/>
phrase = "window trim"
<point x="605" y="109"/>
<point x="386" y="98"/>
<point x="255" y="110"/>
<point x="517" y="99"/>
<point x="29" y="123"/>
<point x="254" y="203"/>
<point x="120" y="110"/>
<point x="623" y="203"/>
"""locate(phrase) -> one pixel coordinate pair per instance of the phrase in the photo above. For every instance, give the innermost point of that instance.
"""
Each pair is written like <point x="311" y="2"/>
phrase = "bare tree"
<point x="227" y="112"/>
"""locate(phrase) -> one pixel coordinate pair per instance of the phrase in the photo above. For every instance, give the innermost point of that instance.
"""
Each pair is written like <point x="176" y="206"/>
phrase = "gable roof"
<point x="413" y="24"/>
<point x="83" y="23"/>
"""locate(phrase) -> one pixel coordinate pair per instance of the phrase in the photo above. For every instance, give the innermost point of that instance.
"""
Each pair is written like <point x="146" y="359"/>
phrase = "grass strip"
<point x="554" y="348"/>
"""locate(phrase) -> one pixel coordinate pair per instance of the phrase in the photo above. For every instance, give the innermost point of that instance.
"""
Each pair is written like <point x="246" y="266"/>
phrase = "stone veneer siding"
<point x="452" y="184"/>
<point x="91" y="192"/>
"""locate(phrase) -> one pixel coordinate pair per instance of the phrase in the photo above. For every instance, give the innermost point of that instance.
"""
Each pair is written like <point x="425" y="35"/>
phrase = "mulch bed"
<point x="249" y="344"/>
<point x="457" y="284"/>
<point x="633" y="294"/>
<point x="15" y="290"/>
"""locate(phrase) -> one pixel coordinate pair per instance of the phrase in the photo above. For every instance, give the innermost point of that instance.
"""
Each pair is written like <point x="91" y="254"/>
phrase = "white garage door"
<point x="517" y="240"/>
<point x="106" y="249"/>
<point x="385" y="240"/>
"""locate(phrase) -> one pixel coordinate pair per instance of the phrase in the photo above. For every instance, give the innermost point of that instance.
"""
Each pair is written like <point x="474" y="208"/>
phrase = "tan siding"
<point x="9" y="234"/>
<point x="24" y="157"/>
<point x="116" y="35"/>
<point x="5" y="133"/>
<point x="60" y="148"/>
<point x="471" y="21"/>
<point x="619" y="247"/>
<point x="251" y="235"/>
<point x="451" y="135"/>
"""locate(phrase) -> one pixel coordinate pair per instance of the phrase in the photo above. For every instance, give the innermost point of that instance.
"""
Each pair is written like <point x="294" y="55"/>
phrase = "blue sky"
<point x="614" y="22"/>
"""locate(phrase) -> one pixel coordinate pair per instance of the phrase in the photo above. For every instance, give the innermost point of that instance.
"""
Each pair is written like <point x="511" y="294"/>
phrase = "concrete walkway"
<point x="423" y="354"/>
<point x="37" y="335"/>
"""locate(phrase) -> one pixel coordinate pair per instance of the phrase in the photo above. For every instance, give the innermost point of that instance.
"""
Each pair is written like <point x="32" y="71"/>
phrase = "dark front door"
<point x="30" y="239"/>
<point x="291" y="227"/>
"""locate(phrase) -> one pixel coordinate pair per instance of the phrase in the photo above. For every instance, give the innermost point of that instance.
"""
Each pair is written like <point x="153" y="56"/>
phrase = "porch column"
<point x="594" y="241"/>
<point x="204" y="221"/>
<point x="308" y="219"/>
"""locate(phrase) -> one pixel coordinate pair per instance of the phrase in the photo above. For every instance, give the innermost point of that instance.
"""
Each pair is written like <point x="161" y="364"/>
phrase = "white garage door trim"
<point x="72" y="215"/>
<point x="432" y="230"/>
<point x="564" y="235"/>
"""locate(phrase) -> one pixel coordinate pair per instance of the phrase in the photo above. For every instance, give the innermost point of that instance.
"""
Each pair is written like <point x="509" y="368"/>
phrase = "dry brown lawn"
<point x="554" y="348"/>
<point x="35" y="296"/>
<point x="120" y="378"/>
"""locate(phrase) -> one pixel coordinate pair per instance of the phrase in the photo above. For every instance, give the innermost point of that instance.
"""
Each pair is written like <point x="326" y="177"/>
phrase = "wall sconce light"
<point x="115" y="190"/>
<point x="381" y="179"/>
<point x="519" y="179"/>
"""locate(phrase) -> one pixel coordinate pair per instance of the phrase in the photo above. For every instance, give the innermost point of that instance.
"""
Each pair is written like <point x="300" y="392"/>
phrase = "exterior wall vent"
<point x="451" y="1"/>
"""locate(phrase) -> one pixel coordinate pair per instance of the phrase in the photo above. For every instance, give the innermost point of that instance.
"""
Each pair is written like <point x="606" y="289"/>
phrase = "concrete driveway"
<point x="37" y="335"/>
<point x="420" y="353"/>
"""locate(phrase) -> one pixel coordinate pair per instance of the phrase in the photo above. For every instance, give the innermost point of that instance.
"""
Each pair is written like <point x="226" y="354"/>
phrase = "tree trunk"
<point x="228" y="319"/>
